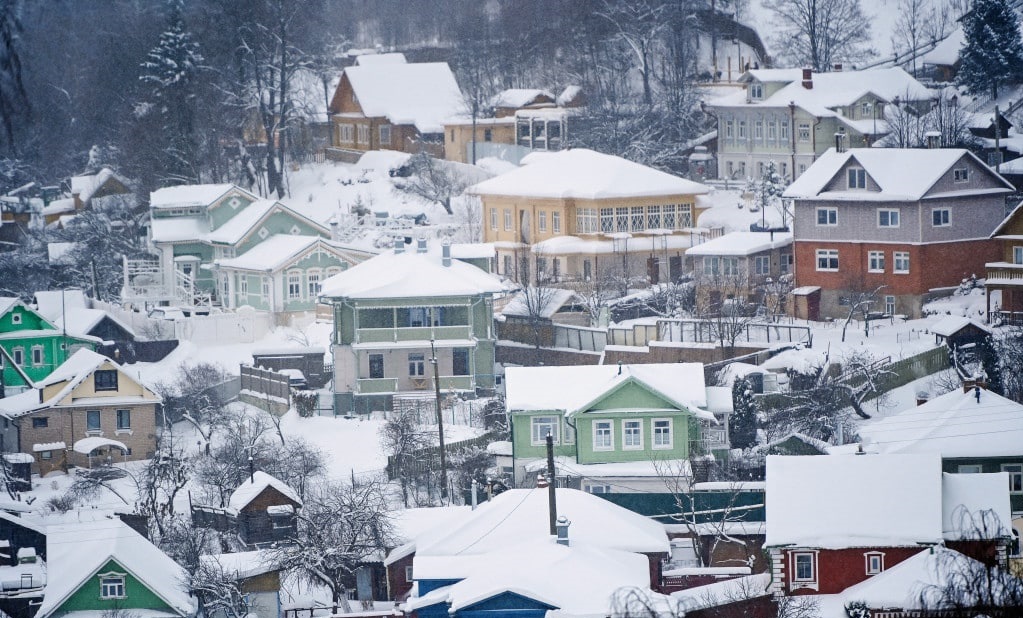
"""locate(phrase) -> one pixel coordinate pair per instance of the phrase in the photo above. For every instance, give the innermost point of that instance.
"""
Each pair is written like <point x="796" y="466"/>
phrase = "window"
<point x="784" y="130"/>
<point x="19" y="356"/>
<point x="123" y="419"/>
<point x="874" y="562"/>
<point x="488" y="135"/>
<point x="540" y="426"/>
<point x="243" y="285"/>
<point x="762" y="265"/>
<point x="598" y="489"/>
<point x="804" y="132"/>
<point x="541" y="220"/>
<point x="756" y="91"/>
<point x="37" y="355"/>
<point x="313" y="283"/>
<point x="730" y="265"/>
<point x="622" y="219"/>
<point x="507" y="219"/>
<point x="416" y="365"/>
<point x="40" y="422"/>
<point x="347" y="133"/>
<point x="408" y="574"/>
<point x="711" y="265"/>
<point x="940" y="217"/>
<point x="385" y="134"/>
<point x="92" y="422"/>
<point x="875" y="261"/>
<point x="586" y="221"/>
<point x="603" y="436"/>
<point x="1017" y="255"/>
<point x="294" y="285"/>
<point x="669" y="219"/>
<point x="493" y="218"/>
<point x="105" y="379"/>
<point x="758" y="130"/>
<point x="1015" y="477"/>
<point x="46" y="455"/>
<point x="866" y="109"/>
<point x="772" y="131"/>
<point x="887" y="217"/>
<point x="508" y="270"/>
<point x="961" y="175"/>
<point x="901" y="259"/>
<point x="264" y="287"/>
<point x="857" y="178"/>
<point x="587" y="270"/>
<point x="804" y="568"/>
<point x="556" y="222"/>
<point x="786" y="262"/>
<point x="15" y="318"/>
<point x="729" y="129"/>
<point x="969" y="469"/>
<point x="662" y="433"/>
<point x="363" y="134"/>
<point x="742" y="129"/>
<point x="376" y="366"/>
<point x="111" y="586"/>
<point x="889" y="305"/>
<point x="653" y="217"/>
<point x="827" y="216"/>
<point x="632" y="435"/>
<point x="460" y="361"/>
<point x="638" y="220"/>
<point x="827" y="260"/>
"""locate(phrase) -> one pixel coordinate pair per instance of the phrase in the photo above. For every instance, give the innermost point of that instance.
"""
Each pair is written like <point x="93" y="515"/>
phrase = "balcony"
<point x="1004" y="273"/>
<point x="423" y="333"/>
<point x="373" y="386"/>
<point x="380" y="386"/>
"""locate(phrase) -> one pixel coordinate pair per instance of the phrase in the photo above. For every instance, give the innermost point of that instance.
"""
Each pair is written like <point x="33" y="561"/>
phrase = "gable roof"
<point x="76" y="552"/>
<point x="50" y="302"/>
<point x="572" y="388"/>
<point x="952" y="425"/>
<point x="281" y="250"/>
<point x="409" y="275"/>
<point x="252" y="487"/>
<point x="901" y="173"/>
<point x="422" y="94"/>
<point x="191" y="196"/>
<point x="520" y="97"/>
<point x="8" y="303"/>
<point x="585" y="174"/>
<point x="242" y="225"/>
<point x="832" y="501"/>
<point x="952" y="324"/>
<point x="742" y="243"/>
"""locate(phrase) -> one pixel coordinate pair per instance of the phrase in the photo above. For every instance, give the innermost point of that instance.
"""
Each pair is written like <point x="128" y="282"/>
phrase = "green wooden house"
<point x="105" y="566"/>
<point x="395" y="312"/>
<point x="32" y="346"/>
<point x="615" y="428"/>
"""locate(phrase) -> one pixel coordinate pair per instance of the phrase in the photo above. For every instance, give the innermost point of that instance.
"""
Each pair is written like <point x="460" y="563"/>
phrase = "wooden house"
<point x="265" y="508"/>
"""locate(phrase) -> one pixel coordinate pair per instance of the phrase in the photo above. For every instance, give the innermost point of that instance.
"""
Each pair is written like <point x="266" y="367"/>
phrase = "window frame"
<point x="362" y="134"/>
<point x="1017" y="254"/>
<point x="829" y="255"/>
<point x="112" y="586"/>
<point x="40" y="422"/>
<point x="961" y="175"/>
<point x="556" y="222"/>
<point x="870" y="556"/>
<point x="18" y="356"/>
<point x="294" y="284"/>
<point x="941" y="217"/>
<point x="16" y="318"/>
<point x="633" y="428"/>
<point x="384" y="129"/>
<point x="803" y="132"/>
<point x="900" y="262"/>
<point x="108" y="385"/>
<point x="508" y="220"/>
<point x="38" y="355"/>
<point x="830" y="216"/>
<point x="599" y="426"/>
<point x="1015" y="472"/>
<point x="416" y="365"/>
<point x="795" y="577"/>
<point x="889" y="215"/>
<point x="124" y="419"/>
<point x="756" y="91"/>
<point x="375" y="360"/>
<point x="98" y="416"/>
<point x="969" y="469"/>
<point x="541" y="220"/>
<point x="656" y="435"/>
<point x="493" y="219"/>
<point x="856" y="178"/>
<point x="536" y="425"/>
<point x="313" y="282"/>
<point x="762" y="265"/>
<point x="875" y="261"/>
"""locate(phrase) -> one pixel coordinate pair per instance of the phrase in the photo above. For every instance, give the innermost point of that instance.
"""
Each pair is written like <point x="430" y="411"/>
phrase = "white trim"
<point x="611" y="434"/>
<point x="866" y="562"/>
<point x="890" y="211"/>
<point x="625" y="435"/>
<point x="1018" y="471"/>
<point x="653" y="434"/>
<point x="810" y="582"/>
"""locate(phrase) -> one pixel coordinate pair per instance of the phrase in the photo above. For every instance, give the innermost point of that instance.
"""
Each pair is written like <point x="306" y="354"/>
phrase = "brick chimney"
<point x="808" y="79"/>
<point x="837" y="68"/>
<point x="970" y="384"/>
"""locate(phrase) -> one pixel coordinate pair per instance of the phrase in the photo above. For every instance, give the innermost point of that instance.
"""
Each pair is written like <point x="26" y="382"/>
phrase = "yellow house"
<point x="578" y="214"/>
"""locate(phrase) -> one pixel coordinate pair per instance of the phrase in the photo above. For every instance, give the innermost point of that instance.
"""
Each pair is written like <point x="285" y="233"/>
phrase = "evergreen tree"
<point x="742" y="422"/>
<point x="13" y="100"/>
<point x="992" y="53"/>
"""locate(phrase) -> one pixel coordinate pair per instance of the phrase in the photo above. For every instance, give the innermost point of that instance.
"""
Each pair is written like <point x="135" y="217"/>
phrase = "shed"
<point x="956" y="331"/>
<point x="266" y="509"/>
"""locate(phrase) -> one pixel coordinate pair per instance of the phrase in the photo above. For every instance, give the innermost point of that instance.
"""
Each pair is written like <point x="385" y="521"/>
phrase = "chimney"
<point x="333" y="231"/>
<point x="975" y="384"/>
<point x="421" y="245"/>
<point x="838" y="67"/>
<point x="562" y="527"/>
<point x="808" y="79"/>
<point x="933" y="139"/>
<point x="541" y="481"/>
<point x="840" y="142"/>
<point x="922" y="397"/>
<point x="445" y="253"/>
<point x="399" y="245"/>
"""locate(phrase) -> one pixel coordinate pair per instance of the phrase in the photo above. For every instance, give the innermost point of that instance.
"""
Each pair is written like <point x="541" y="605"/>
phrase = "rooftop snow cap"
<point x="445" y="254"/>
<point x="808" y="78"/>
<point x="420" y="245"/>
<point x="562" y="526"/>
<point x="399" y="245"/>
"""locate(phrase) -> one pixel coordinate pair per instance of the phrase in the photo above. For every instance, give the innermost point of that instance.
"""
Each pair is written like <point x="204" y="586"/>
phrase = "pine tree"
<point x="13" y="100"/>
<point x="992" y="53"/>
<point x="742" y="422"/>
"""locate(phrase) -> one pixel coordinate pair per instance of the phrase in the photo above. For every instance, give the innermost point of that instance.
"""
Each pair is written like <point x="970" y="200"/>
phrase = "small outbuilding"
<point x="266" y="508"/>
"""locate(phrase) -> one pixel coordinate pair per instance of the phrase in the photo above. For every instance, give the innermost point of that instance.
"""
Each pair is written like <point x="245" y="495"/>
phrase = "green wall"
<point x="138" y="596"/>
<point x="221" y="213"/>
<point x="51" y="341"/>
<point x="278" y="223"/>
<point x="522" y="436"/>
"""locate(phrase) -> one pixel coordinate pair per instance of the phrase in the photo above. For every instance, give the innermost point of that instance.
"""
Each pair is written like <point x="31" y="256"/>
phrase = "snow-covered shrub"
<point x="857" y="609"/>
<point x="305" y="402"/>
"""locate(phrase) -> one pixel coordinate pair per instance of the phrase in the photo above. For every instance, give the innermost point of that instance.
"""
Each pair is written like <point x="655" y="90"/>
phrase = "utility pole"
<point x="440" y="424"/>
<point x="552" y="487"/>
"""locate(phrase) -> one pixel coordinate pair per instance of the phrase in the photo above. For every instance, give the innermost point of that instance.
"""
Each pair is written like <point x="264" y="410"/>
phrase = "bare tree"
<point x="434" y="180"/>
<point x="910" y="31"/>
<point x="220" y="592"/>
<point x="537" y="301"/>
<point x="724" y="299"/>
<point x="192" y="396"/>
<point x="405" y="441"/>
<point x="469" y="213"/>
<point x="859" y="299"/>
<point x="637" y="25"/>
<point x="160" y="481"/>
<point x="818" y="33"/>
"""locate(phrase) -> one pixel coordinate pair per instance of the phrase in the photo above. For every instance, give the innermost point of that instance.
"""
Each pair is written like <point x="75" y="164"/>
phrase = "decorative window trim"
<point x="295" y="230"/>
<point x="625" y="435"/>
<point x="38" y="355"/>
<point x="796" y="582"/>
<point x="234" y="202"/>
<point x="876" y="568"/>
<point x="653" y="434"/>
<point x="610" y="432"/>
<point x="112" y="575"/>
<point x="16" y="318"/>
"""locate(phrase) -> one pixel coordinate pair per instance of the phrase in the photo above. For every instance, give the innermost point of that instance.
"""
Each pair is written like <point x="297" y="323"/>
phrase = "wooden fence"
<point x="265" y="388"/>
<point x="428" y="459"/>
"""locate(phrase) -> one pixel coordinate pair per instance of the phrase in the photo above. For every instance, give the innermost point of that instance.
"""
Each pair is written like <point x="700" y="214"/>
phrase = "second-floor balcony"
<point x="1004" y="273"/>
<point x="412" y="333"/>
<point x="375" y="386"/>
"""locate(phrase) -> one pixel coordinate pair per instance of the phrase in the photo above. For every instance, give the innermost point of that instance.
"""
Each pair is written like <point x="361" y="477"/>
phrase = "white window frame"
<point x="889" y="217"/>
<point x="294" y="284"/>
<point x="347" y="133"/>
<point x="112" y="585"/>
<point x="900" y="262"/>
<point x="1015" y="472"/>
<point x="38" y="355"/>
<point x="804" y="132"/>
<point x="16" y="318"/>
<point x="772" y="131"/>
<point x="541" y="220"/>
<point x="18" y="355"/>
<point x="783" y="130"/>
<point x="363" y="134"/>
<point x="593" y="488"/>
<point x="508" y="220"/>
<point x="264" y="289"/>
<point x="756" y="91"/>
<point x="758" y="130"/>
<point x="961" y="175"/>
<point x="742" y="129"/>
<point x="875" y="261"/>
<point x="587" y="221"/>
<point x="556" y="222"/>
<point x="384" y="134"/>
<point x="762" y="265"/>
<point x="538" y="437"/>
<point x="408" y="574"/>
<point x="243" y="285"/>
<point x="416" y="365"/>
<point x="313" y="279"/>
<point x="856" y="178"/>
<point x="830" y="216"/>
<point x="493" y="218"/>
<point x="941" y="217"/>
<point x="599" y="427"/>
<point x="889" y="305"/>
<point x="1017" y="255"/>
<point x="827" y="254"/>
<point x="804" y="582"/>
<point x="873" y="562"/>
<point x="633" y="442"/>
<point x="657" y="436"/>
<point x="729" y="129"/>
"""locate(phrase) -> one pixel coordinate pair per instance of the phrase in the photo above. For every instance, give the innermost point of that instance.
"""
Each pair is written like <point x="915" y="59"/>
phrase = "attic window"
<point x="105" y="380"/>
<point x="295" y="230"/>
<point x="111" y="586"/>
<point x="263" y="233"/>
<point x="756" y="91"/>
<point x="874" y="562"/>
<point x="15" y="318"/>
<point x="857" y="178"/>
<point x="961" y="175"/>
<point x="234" y="202"/>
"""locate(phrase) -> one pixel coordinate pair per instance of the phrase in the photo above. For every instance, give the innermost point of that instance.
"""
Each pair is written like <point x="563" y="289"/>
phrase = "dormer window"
<point x="961" y="174"/>
<point x="874" y="562"/>
<point x="756" y="91"/>
<point x="857" y="178"/>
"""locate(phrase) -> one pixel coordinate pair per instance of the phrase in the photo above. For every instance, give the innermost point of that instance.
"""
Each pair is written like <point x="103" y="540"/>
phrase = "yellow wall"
<point x="126" y="387"/>
<point x="458" y="136"/>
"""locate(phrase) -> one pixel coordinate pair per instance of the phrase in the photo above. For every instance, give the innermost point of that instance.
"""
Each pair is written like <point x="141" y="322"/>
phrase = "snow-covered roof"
<point x="646" y="469"/>
<point x="569" y="95"/>
<point x="722" y="593"/>
<point x="277" y="252"/>
<point x="238" y="226"/>
<point x="76" y="552"/>
<point x="831" y="90"/>
<point x="952" y="425"/>
<point x="833" y="501"/>
<point x="422" y="94"/>
<point x="603" y="245"/>
<point x="90" y="444"/>
<point x="243" y="564"/>
<point x="411" y="523"/>
<point x="585" y="174"/>
<point x="79" y="321"/>
<point x="86" y="186"/>
<point x="408" y="275"/>
<point x="545" y="301"/>
<point x="965" y="498"/>
<point x="577" y="579"/>
<point x="901" y="173"/>
<point x="190" y="196"/>
<point x="177" y="229"/>
<point x="9" y="302"/>
<point x="571" y="388"/>
<point x="947" y="51"/>
<point x="518" y="516"/>
<point x="952" y="324"/>
<point x="742" y="243"/>
<point x="50" y="302"/>
<point x="252" y="487"/>
<point x="518" y="97"/>
<point x="57" y="207"/>
<point x="363" y="60"/>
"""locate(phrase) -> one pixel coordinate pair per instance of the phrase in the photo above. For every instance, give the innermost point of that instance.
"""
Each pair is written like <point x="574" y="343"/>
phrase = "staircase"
<point x="186" y="294"/>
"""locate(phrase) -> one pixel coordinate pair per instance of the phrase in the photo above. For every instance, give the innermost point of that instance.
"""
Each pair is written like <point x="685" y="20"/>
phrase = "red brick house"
<point x="837" y="523"/>
<point x="870" y="217"/>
